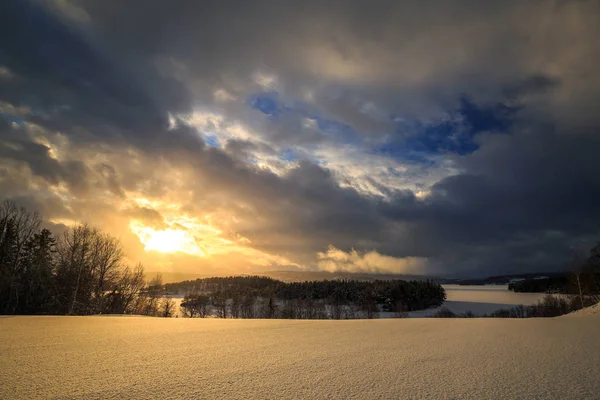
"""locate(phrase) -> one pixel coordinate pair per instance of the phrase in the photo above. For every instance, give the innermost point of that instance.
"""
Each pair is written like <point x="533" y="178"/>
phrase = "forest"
<point x="261" y="297"/>
<point x="81" y="272"/>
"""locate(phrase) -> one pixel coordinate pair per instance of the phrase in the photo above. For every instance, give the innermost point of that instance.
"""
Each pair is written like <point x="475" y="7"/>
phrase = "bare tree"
<point x="248" y="306"/>
<point x="106" y="258"/>
<point x="336" y="310"/>
<point x="219" y="301"/>
<point x="125" y="295"/>
<point x="154" y="291"/>
<point x="195" y="305"/>
<point x="167" y="308"/>
<point x="586" y="278"/>
<point x="89" y="266"/>
<point x="17" y="227"/>
<point x="235" y="308"/>
<point x="75" y="263"/>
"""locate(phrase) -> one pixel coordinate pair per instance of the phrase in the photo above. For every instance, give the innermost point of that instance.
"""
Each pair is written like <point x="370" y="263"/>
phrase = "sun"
<point x="168" y="240"/>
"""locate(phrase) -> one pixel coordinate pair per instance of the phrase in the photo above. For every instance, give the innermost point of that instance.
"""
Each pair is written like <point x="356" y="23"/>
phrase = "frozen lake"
<point x="480" y="299"/>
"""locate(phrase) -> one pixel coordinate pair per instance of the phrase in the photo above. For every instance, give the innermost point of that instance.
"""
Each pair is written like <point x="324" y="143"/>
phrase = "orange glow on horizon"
<point x="186" y="234"/>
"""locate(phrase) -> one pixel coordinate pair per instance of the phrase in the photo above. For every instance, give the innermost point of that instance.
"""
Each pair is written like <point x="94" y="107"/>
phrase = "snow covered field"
<point x="143" y="357"/>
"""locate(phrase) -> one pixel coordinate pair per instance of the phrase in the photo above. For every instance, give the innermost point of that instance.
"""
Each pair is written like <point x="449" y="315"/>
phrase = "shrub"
<point x="444" y="313"/>
<point x="519" y="311"/>
<point x="501" y="313"/>
<point x="549" y="306"/>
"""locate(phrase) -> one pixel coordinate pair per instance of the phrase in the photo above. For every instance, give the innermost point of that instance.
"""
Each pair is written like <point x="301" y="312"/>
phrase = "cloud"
<point x="336" y="260"/>
<point x="456" y="139"/>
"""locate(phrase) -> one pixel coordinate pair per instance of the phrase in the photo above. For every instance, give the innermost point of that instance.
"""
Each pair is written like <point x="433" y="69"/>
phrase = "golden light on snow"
<point x="457" y="358"/>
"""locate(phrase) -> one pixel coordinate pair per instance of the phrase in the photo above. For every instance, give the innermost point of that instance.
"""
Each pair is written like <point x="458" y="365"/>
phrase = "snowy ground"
<point x="141" y="358"/>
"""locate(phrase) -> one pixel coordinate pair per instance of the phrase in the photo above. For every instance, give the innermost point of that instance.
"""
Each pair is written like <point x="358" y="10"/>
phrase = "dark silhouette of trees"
<point x="248" y="305"/>
<point x="585" y="278"/>
<point x="82" y="272"/>
<point x="89" y="264"/>
<point x="36" y="277"/>
<point x="167" y="308"/>
<point x="444" y="313"/>
<point x="126" y="296"/>
<point x="195" y="305"/>
<point x="149" y="299"/>
<point x="553" y="284"/>
<point x="270" y="311"/>
<point x="261" y="297"/>
<point x="17" y="227"/>
<point x="219" y="301"/>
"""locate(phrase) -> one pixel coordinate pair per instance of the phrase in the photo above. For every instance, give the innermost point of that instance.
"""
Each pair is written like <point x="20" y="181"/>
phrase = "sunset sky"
<point x="455" y="138"/>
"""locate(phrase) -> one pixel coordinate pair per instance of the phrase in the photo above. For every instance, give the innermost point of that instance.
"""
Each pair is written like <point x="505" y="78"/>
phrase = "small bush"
<point x="549" y="306"/>
<point x="444" y="313"/>
<point x="501" y="313"/>
<point x="519" y="311"/>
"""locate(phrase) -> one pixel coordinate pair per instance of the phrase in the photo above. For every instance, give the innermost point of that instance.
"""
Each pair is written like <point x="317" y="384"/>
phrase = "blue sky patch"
<point x="288" y="154"/>
<point x="268" y="103"/>
<point x="455" y="135"/>
<point x="12" y="118"/>
<point x="211" y="140"/>
<point x="337" y="130"/>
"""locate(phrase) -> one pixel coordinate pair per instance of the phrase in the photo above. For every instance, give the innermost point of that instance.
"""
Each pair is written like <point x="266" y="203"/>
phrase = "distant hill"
<point x="506" y="279"/>
<point x="300" y="276"/>
<point x="171" y="277"/>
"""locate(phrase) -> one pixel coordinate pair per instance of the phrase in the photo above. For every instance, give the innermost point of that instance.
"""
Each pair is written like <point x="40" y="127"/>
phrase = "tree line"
<point x="582" y="282"/>
<point x="262" y="297"/>
<point x="80" y="272"/>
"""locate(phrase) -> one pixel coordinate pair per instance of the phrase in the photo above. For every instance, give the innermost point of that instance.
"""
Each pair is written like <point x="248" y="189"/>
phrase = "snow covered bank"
<point x="139" y="358"/>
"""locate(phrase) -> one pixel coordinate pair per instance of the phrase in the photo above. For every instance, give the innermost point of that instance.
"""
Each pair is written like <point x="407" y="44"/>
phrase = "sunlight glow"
<point x="168" y="240"/>
<point x="181" y="233"/>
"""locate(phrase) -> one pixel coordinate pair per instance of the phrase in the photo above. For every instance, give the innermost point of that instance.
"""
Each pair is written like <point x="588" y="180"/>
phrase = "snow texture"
<point x="142" y="358"/>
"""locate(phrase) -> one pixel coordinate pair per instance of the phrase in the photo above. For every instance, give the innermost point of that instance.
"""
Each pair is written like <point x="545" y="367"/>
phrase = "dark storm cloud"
<point x="14" y="145"/>
<point x="520" y="192"/>
<point x="72" y="83"/>
<point x="502" y="94"/>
